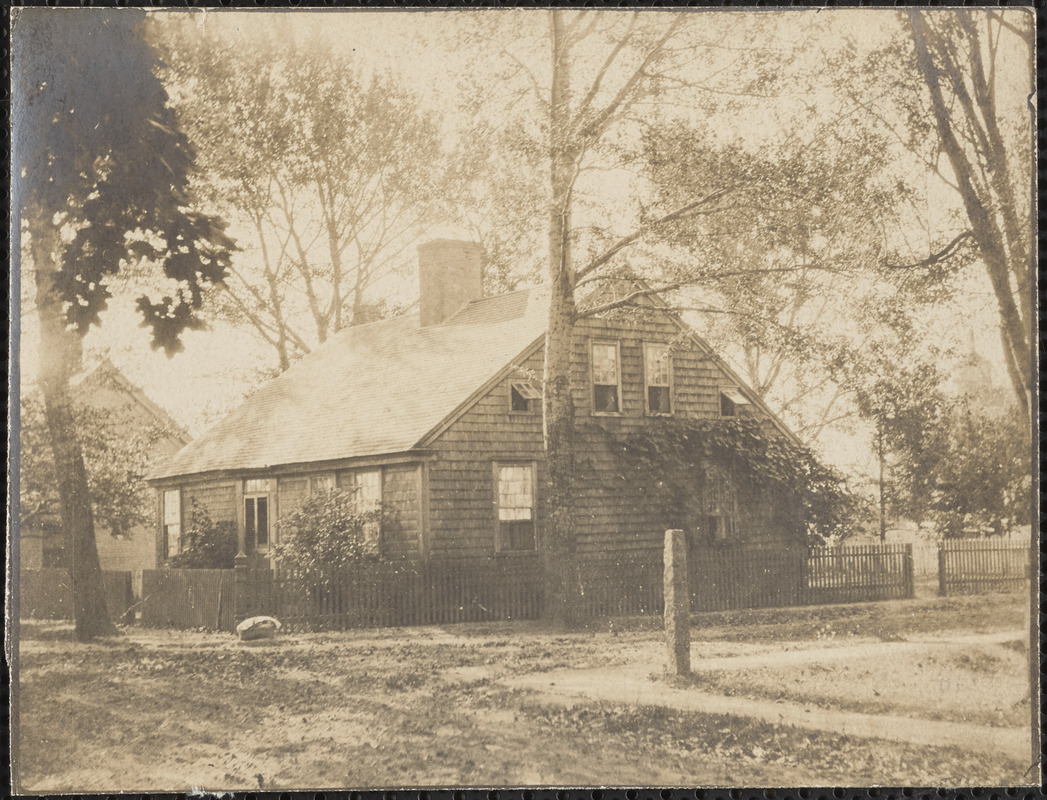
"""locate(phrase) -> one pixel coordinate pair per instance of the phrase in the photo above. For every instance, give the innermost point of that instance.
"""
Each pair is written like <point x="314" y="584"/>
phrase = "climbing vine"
<point x="677" y="458"/>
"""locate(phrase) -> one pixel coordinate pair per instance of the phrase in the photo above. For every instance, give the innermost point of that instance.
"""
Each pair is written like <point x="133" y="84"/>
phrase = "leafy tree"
<point x="911" y="415"/>
<point x="332" y="171"/>
<point x="959" y="56"/>
<point x="117" y="454"/>
<point x="608" y="77"/>
<point x="983" y="481"/>
<point x="951" y="90"/>
<point x="328" y="530"/>
<point x="779" y="274"/>
<point x="206" y="544"/>
<point x="101" y="187"/>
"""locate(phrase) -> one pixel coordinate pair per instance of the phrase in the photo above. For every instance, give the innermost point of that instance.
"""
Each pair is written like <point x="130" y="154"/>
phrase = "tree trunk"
<point x="990" y="233"/>
<point x="562" y="601"/>
<point x="60" y="359"/>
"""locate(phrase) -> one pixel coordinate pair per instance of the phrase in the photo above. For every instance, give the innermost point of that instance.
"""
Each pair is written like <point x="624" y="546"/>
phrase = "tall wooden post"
<point x="242" y="601"/>
<point x="677" y="605"/>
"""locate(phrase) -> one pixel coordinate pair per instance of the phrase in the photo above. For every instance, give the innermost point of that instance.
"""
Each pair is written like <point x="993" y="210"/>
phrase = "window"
<point x="656" y="376"/>
<point x="720" y="509"/>
<point x="606" y="381"/>
<point x="321" y="483"/>
<point x="730" y="402"/>
<point x="523" y="396"/>
<point x="720" y="527"/>
<point x="368" y="486"/>
<point x="515" y="501"/>
<point x="173" y="521"/>
<point x="256" y="515"/>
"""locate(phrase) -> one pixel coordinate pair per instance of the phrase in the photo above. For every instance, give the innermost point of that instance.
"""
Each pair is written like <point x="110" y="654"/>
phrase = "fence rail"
<point x="979" y="567"/>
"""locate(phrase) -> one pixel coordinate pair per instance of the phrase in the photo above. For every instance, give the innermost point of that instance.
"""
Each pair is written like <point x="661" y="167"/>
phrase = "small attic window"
<point x="524" y="396"/>
<point x="730" y="401"/>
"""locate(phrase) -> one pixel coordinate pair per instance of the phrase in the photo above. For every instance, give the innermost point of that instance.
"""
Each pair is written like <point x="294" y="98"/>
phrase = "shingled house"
<point x="105" y="390"/>
<point x="436" y="417"/>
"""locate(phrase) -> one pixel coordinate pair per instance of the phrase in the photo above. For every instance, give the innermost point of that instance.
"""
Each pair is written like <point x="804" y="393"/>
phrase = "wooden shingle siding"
<point x="401" y="512"/>
<point x="614" y="515"/>
<point x="461" y="485"/>
<point x="218" y="499"/>
<point x="290" y="494"/>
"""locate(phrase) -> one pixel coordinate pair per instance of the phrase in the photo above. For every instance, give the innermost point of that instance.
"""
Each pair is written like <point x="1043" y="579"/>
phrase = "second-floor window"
<point x="731" y="402"/>
<point x="606" y="378"/>
<point x="657" y="378"/>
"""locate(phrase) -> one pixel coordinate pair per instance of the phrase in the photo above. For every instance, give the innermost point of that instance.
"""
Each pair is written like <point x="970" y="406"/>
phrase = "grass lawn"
<point x="155" y="710"/>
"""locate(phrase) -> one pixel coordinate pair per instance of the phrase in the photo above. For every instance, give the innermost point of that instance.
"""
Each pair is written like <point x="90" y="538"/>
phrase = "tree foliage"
<point x="982" y="484"/>
<point x="205" y="543"/>
<point x="328" y="530"/>
<point x="101" y="190"/>
<point x="331" y="171"/>
<point x="117" y="453"/>
<point x="99" y="155"/>
<point x="951" y="92"/>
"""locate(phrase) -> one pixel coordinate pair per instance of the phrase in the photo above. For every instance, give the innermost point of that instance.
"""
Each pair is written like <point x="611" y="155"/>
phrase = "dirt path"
<point x="843" y="652"/>
<point x="636" y="684"/>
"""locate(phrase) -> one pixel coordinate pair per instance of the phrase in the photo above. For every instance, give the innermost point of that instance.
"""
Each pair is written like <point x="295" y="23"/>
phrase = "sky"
<point x="439" y="54"/>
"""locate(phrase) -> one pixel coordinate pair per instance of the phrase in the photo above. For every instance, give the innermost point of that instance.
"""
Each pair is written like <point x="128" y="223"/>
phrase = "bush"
<point x="206" y="544"/>
<point x="327" y="531"/>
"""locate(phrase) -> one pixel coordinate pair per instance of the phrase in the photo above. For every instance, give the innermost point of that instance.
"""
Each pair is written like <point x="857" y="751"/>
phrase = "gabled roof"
<point x="371" y="389"/>
<point x="107" y="376"/>
<point x="385" y="387"/>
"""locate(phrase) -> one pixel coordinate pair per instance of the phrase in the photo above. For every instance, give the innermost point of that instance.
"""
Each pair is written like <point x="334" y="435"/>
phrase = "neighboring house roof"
<point x="107" y="377"/>
<point x="371" y="389"/>
<point x="384" y="387"/>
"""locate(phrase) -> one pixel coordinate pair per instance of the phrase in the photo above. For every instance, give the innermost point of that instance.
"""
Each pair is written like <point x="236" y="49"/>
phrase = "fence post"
<point x="241" y="588"/>
<point x="941" y="569"/>
<point x="677" y="605"/>
<point x="907" y="567"/>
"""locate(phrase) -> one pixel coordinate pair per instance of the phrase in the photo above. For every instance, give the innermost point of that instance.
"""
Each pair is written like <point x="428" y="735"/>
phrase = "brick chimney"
<point x="449" y="276"/>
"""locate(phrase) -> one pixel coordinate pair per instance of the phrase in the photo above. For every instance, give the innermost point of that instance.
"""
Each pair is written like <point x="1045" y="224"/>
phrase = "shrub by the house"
<point x="206" y="544"/>
<point x="329" y="530"/>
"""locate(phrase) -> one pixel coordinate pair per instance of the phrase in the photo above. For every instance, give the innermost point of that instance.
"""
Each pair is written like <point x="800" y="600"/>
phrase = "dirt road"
<point x="470" y="705"/>
<point x="640" y="684"/>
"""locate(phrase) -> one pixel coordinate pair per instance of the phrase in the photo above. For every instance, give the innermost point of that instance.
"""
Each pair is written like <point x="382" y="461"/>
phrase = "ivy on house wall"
<point x="681" y="463"/>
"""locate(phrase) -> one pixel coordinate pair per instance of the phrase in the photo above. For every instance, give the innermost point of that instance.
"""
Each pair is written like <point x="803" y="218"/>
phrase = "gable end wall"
<point x="612" y="517"/>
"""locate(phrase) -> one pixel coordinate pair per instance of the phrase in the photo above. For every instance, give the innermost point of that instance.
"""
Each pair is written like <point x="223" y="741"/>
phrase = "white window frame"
<point x="372" y="531"/>
<point x="322" y="483"/>
<point x="647" y="385"/>
<point x="256" y="489"/>
<point x="618" y="374"/>
<point x="172" y="520"/>
<point x="499" y="540"/>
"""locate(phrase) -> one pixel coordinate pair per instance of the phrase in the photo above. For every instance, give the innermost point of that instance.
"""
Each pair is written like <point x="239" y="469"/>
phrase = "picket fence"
<point x="48" y="594"/>
<point x="188" y="598"/>
<point x="387" y="594"/>
<point x="978" y="567"/>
